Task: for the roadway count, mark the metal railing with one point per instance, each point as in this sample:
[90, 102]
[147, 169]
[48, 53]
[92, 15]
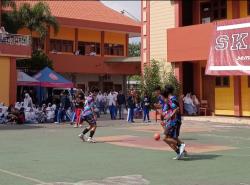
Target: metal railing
[15, 39]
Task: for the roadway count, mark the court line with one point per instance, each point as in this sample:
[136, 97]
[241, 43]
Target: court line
[23, 177]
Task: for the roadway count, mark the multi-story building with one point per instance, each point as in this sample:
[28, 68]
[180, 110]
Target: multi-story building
[12, 47]
[91, 48]
[188, 44]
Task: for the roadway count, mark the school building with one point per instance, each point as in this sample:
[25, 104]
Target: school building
[12, 47]
[182, 33]
[91, 48]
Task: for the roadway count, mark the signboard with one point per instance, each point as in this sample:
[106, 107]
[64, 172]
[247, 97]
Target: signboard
[230, 48]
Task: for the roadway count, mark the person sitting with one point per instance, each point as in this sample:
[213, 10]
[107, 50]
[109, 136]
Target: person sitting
[50, 113]
[196, 103]
[2, 116]
[189, 106]
[30, 115]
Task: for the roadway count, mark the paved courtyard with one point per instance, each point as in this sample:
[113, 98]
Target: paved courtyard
[125, 154]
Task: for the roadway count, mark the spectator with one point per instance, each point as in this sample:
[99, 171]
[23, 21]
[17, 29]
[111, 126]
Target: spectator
[121, 103]
[189, 106]
[112, 98]
[146, 107]
[131, 107]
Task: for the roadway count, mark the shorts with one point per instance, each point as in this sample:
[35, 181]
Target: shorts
[89, 119]
[171, 131]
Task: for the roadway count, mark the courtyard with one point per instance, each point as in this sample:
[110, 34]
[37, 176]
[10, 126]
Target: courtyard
[49, 154]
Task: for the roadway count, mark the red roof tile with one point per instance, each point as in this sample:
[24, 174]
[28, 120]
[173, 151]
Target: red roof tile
[86, 10]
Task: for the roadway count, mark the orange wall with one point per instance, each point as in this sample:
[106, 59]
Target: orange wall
[89, 35]
[25, 31]
[5, 79]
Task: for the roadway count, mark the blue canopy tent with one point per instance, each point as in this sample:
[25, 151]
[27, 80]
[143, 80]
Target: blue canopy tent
[49, 78]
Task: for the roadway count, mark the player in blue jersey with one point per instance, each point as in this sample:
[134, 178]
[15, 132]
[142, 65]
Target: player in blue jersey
[172, 122]
[88, 115]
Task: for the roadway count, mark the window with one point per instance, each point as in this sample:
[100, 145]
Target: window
[89, 48]
[61, 45]
[213, 10]
[37, 44]
[222, 81]
[114, 49]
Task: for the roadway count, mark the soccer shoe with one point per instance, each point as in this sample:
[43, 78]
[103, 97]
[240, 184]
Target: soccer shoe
[91, 140]
[82, 137]
[182, 148]
[179, 156]
[75, 126]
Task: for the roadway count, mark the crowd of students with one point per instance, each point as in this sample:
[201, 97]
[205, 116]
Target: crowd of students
[68, 107]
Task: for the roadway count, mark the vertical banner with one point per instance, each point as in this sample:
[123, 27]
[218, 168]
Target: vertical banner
[230, 48]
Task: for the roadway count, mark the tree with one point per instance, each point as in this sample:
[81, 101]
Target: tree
[153, 77]
[37, 62]
[37, 18]
[134, 49]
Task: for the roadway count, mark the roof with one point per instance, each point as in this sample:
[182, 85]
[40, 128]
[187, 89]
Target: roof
[26, 80]
[93, 11]
[49, 78]
[123, 60]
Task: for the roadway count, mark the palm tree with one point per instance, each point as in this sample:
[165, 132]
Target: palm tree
[37, 18]
[5, 3]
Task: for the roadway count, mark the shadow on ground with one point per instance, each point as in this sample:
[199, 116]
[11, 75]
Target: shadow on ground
[197, 157]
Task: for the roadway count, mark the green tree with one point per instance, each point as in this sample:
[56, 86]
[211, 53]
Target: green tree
[153, 77]
[37, 18]
[37, 62]
[134, 49]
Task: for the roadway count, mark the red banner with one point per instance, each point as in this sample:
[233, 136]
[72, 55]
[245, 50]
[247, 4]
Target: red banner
[230, 48]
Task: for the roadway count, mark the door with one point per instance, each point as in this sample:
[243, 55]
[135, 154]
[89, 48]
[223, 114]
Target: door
[208, 90]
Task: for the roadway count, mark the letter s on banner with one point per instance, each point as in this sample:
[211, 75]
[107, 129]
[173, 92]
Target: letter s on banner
[222, 42]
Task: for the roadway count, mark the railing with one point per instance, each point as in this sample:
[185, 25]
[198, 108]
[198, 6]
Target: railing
[15, 39]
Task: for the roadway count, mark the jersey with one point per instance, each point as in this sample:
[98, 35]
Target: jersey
[88, 106]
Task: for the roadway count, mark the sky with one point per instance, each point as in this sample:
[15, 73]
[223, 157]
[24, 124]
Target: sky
[133, 7]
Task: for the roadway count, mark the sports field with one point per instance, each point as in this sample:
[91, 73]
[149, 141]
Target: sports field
[219, 154]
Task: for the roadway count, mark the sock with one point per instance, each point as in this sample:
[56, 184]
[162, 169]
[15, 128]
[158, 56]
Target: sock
[177, 151]
[85, 131]
[91, 133]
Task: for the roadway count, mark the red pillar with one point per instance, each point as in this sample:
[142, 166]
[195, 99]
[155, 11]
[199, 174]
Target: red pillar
[237, 79]
[76, 39]
[127, 42]
[178, 71]
[13, 81]
[102, 43]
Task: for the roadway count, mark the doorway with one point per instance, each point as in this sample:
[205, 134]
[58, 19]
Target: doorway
[188, 81]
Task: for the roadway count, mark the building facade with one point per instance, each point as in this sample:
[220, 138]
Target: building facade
[188, 46]
[12, 47]
[91, 48]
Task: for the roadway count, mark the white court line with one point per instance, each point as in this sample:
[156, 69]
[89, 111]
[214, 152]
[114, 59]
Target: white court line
[23, 177]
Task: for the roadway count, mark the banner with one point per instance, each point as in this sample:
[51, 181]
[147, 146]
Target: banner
[230, 48]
